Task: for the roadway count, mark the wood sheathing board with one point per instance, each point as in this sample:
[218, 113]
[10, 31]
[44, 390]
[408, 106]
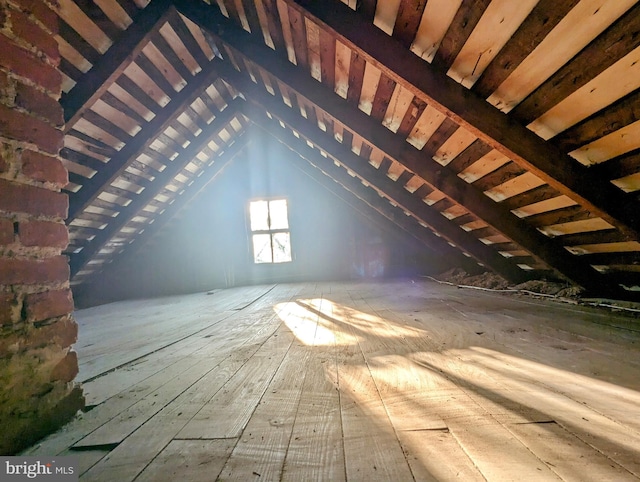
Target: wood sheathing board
[523, 138]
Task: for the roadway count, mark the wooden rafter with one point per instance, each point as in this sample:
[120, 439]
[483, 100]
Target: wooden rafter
[620, 166]
[618, 40]
[621, 113]
[465, 148]
[127, 213]
[408, 20]
[367, 203]
[111, 65]
[543, 18]
[375, 177]
[367, 8]
[111, 170]
[368, 197]
[465, 20]
[474, 114]
[528, 237]
[208, 176]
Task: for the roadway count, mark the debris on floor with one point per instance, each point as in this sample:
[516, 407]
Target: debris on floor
[561, 291]
[493, 281]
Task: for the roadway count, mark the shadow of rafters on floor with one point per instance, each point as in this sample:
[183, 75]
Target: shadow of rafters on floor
[357, 380]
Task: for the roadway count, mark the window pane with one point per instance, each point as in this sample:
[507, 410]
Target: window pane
[278, 213]
[259, 214]
[262, 248]
[281, 248]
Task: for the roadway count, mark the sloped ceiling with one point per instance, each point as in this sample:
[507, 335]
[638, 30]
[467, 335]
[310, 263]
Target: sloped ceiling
[505, 133]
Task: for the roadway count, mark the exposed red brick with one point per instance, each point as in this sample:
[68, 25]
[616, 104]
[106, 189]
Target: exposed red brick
[20, 198]
[24, 63]
[67, 369]
[6, 92]
[41, 11]
[23, 127]
[33, 271]
[43, 233]
[6, 309]
[7, 156]
[4, 160]
[6, 231]
[64, 332]
[39, 103]
[26, 29]
[40, 167]
[49, 304]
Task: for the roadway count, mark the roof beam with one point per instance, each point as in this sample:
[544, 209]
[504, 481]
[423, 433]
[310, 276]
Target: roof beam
[474, 114]
[620, 38]
[117, 164]
[365, 171]
[465, 20]
[408, 20]
[367, 8]
[316, 165]
[366, 202]
[78, 260]
[208, 176]
[546, 249]
[542, 19]
[111, 65]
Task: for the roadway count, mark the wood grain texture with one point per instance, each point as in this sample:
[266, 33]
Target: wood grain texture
[127, 213]
[408, 20]
[587, 49]
[133, 149]
[410, 379]
[398, 194]
[602, 52]
[423, 171]
[466, 18]
[406, 71]
[617, 115]
[542, 19]
[110, 66]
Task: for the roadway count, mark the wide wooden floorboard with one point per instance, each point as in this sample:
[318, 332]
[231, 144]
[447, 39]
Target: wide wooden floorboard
[403, 380]
[468, 421]
[372, 450]
[316, 446]
[125, 331]
[187, 460]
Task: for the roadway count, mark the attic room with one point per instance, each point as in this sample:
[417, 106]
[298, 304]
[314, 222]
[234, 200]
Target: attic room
[338, 240]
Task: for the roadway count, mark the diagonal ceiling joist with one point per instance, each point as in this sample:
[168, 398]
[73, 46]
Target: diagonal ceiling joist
[220, 122]
[474, 114]
[208, 177]
[142, 140]
[111, 65]
[366, 195]
[393, 145]
[367, 203]
[379, 180]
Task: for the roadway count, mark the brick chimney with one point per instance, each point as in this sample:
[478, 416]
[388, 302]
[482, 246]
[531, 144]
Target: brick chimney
[37, 363]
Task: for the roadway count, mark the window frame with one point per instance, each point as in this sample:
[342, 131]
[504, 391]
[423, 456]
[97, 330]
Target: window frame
[270, 232]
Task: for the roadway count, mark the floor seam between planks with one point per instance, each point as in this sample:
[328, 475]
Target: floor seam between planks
[389, 380]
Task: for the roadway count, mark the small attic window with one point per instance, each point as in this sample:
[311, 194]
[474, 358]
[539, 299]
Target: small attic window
[270, 235]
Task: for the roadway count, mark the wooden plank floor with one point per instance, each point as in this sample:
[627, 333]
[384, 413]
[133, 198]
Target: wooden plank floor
[397, 380]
